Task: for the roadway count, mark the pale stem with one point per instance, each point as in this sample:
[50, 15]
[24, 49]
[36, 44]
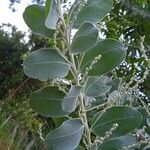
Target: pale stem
[75, 73]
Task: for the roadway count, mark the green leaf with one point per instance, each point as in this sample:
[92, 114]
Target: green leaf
[127, 119]
[85, 38]
[69, 102]
[118, 143]
[96, 86]
[48, 7]
[112, 54]
[66, 137]
[148, 120]
[79, 148]
[46, 63]
[53, 17]
[114, 84]
[34, 17]
[47, 102]
[94, 11]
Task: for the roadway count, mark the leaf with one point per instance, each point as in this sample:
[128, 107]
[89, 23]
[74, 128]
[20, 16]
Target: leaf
[147, 147]
[79, 148]
[112, 54]
[34, 17]
[96, 86]
[85, 38]
[148, 120]
[94, 11]
[66, 137]
[47, 102]
[46, 63]
[114, 84]
[48, 6]
[69, 102]
[53, 16]
[127, 119]
[118, 143]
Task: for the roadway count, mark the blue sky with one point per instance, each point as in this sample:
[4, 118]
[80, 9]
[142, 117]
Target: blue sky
[15, 18]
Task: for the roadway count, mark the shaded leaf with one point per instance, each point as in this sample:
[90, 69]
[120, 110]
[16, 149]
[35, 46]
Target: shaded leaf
[96, 86]
[69, 102]
[114, 84]
[48, 6]
[94, 11]
[118, 143]
[127, 119]
[46, 63]
[34, 17]
[85, 38]
[66, 137]
[148, 120]
[52, 17]
[112, 54]
[47, 102]
[79, 148]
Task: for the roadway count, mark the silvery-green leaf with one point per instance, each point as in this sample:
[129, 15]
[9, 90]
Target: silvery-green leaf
[46, 63]
[113, 95]
[148, 120]
[47, 102]
[66, 137]
[96, 86]
[53, 16]
[112, 53]
[118, 143]
[85, 38]
[34, 16]
[127, 119]
[69, 101]
[88, 100]
[94, 11]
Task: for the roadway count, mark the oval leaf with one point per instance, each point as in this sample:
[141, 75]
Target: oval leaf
[94, 11]
[52, 18]
[118, 143]
[112, 54]
[96, 86]
[85, 38]
[127, 119]
[46, 63]
[66, 137]
[34, 17]
[47, 102]
[69, 102]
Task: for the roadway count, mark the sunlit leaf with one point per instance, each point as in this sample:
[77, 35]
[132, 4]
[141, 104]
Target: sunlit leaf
[94, 11]
[34, 16]
[85, 38]
[46, 63]
[53, 16]
[70, 100]
[96, 86]
[112, 54]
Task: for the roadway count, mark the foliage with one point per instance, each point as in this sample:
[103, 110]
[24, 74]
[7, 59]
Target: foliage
[76, 69]
[19, 125]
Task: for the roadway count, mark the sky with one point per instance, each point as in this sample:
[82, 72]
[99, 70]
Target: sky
[14, 18]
